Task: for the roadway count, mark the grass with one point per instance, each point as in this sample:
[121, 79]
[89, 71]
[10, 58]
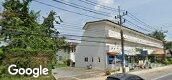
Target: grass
[60, 65]
[28, 78]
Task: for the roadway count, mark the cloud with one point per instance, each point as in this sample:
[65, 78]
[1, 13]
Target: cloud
[104, 2]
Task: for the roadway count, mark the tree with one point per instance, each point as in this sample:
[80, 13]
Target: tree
[20, 26]
[168, 45]
[160, 35]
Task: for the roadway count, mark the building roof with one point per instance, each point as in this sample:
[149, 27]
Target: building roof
[122, 26]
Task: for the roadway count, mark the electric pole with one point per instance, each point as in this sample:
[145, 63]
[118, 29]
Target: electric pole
[120, 22]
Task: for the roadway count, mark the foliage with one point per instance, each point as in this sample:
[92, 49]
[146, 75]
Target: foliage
[168, 60]
[168, 45]
[30, 43]
[1, 54]
[20, 26]
[158, 35]
[138, 49]
[33, 59]
[49, 77]
[68, 62]
[107, 72]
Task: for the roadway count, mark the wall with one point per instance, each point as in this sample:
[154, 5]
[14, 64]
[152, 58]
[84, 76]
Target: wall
[113, 31]
[64, 55]
[93, 50]
[111, 34]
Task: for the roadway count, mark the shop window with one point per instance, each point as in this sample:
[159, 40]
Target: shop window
[111, 59]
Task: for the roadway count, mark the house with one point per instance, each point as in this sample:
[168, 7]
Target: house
[102, 46]
[67, 53]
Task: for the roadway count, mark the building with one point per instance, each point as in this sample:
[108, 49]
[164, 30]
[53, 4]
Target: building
[67, 53]
[101, 45]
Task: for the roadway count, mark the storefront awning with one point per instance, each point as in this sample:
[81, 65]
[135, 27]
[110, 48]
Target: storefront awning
[112, 53]
[158, 51]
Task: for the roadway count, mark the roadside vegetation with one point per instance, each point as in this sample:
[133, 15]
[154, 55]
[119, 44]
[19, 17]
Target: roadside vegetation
[160, 35]
[30, 43]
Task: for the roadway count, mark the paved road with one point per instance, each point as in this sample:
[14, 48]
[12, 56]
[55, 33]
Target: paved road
[161, 73]
[165, 77]
[156, 74]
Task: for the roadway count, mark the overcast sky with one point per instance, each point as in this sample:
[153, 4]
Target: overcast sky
[156, 13]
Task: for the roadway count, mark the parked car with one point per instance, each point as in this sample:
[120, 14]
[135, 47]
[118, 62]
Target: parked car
[122, 76]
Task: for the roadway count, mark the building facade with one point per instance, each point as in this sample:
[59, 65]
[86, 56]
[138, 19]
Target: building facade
[103, 43]
[67, 53]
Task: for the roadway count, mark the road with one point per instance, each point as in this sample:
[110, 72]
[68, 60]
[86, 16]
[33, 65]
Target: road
[165, 77]
[162, 73]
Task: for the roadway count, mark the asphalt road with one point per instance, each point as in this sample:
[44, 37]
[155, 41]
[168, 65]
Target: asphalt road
[161, 73]
[165, 77]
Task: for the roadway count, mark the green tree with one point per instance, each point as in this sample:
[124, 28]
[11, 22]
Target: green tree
[21, 28]
[158, 34]
[168, 45]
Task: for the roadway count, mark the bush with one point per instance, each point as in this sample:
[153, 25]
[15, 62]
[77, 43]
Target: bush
[49, 77]
[1, 54]
[168, 61]
[68, 62]
[2, 71]
[107, 72]
[28, 59]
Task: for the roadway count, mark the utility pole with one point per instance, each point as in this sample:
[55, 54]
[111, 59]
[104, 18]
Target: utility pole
[121, 21]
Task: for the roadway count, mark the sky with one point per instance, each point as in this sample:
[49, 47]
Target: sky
[155, 13]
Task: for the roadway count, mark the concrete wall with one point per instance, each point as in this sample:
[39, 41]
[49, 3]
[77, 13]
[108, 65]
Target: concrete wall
[64, 55]
[92, 50]
[112, 43]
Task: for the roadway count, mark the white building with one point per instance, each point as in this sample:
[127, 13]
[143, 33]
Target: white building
[67, 52]
[102, 42]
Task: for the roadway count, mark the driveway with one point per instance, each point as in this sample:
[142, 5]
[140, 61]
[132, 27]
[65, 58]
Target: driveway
[70, 73]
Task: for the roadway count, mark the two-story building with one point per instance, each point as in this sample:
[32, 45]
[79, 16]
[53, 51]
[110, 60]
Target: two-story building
[104, 43]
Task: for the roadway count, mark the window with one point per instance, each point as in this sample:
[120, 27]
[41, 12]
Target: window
[86, 59]
[92, 59]
[73, 49]
[110, 59]
[98, 59]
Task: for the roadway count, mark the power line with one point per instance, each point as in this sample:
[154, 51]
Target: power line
[83, 36]
[137, 25]
[15, 32]
[140, 21]
[99, 5]
[85, 14]
[83, 8]
[86, 40]
[23, 33]
[113, 9]
[67, 10]
[76, 29]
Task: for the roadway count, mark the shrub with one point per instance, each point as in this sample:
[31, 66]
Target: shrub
[68, 62]
[29, 58]
[107, 72]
